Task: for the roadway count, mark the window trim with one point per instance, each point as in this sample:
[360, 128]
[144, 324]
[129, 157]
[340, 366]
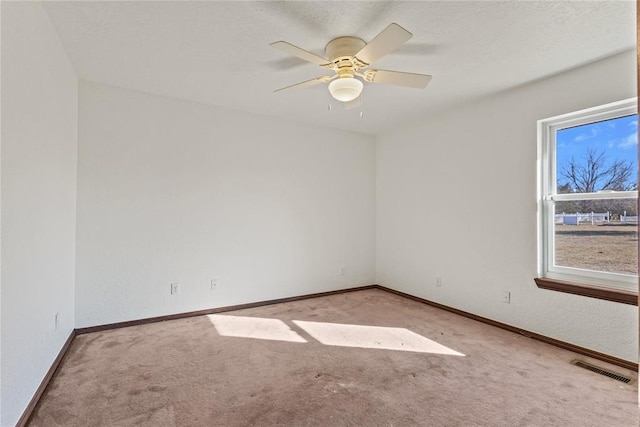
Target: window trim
[569, 279]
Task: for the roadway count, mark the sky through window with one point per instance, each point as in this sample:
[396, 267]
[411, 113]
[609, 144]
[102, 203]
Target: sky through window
[617, 138]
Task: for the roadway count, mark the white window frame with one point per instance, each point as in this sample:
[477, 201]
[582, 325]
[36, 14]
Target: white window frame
[547, 196]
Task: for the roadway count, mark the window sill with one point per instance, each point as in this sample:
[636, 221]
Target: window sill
[615, 295]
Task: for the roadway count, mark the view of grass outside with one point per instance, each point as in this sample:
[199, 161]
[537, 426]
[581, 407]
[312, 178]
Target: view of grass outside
[602, 234]
[612, 248]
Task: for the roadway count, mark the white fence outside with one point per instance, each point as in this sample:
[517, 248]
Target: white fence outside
[624, 218]
[579, 218]
[592, 218]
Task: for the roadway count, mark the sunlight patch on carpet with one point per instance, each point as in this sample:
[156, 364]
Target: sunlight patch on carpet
[380, 337]
[253, 327]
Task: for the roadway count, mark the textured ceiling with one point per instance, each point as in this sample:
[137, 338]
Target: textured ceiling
[217, 52]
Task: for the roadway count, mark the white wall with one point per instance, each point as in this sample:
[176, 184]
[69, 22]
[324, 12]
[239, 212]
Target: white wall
[39, 146]
[482, 158]
[175, 191]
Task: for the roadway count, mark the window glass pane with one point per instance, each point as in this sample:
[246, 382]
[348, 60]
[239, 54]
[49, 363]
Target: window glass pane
[600, 235]
[598, 156]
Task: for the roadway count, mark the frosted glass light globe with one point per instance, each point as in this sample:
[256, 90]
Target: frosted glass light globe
[345, 89]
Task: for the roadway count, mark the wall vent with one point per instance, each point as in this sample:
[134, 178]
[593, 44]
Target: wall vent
[601, 371]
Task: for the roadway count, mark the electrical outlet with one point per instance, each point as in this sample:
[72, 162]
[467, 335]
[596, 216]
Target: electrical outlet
[175, 288]
[438, 282]
[342, 271]
[55, 321]
[506, 297]
[214, 284]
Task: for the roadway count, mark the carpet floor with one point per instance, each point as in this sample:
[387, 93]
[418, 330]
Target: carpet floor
[366, 358]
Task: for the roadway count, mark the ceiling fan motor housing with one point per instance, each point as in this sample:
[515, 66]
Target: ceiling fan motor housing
[341, 52]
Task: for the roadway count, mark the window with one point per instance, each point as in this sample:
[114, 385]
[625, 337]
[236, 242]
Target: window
[588, 191]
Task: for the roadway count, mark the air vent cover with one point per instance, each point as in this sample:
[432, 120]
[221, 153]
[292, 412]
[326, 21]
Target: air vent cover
[601, 371]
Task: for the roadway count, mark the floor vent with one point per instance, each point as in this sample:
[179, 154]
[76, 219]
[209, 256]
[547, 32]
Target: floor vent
[601, 371]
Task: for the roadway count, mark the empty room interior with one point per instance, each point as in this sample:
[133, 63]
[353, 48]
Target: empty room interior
[402, 235]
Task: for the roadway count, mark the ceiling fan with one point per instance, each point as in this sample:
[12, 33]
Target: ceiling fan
[349, 58]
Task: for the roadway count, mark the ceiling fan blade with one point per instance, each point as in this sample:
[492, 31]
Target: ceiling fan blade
[353, 104]
[398, 78]
[386, 41]
[307, 83]
[299, 52]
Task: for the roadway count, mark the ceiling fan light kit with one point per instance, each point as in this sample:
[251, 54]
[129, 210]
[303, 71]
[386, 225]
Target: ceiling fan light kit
[345, 89]
[347, 56]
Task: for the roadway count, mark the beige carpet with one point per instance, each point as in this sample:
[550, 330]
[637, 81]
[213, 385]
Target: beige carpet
[367, 358]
